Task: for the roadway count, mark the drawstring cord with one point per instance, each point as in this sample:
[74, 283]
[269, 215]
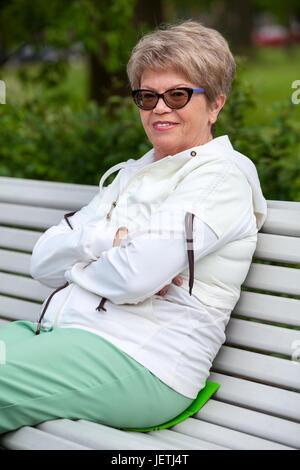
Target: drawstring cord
[189, 219]
[46, 306]
[67, 220]
[56, 290]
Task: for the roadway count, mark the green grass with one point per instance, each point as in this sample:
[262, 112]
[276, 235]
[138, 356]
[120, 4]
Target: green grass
[272, 72]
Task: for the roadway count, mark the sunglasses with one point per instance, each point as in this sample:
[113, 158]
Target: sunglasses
[174, 98]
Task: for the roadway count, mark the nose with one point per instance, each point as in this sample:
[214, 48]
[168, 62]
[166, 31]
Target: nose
[161, 107]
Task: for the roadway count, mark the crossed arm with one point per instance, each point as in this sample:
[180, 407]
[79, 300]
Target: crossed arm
[136, 267]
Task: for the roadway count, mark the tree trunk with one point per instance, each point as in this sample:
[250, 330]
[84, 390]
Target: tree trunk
[235, 22]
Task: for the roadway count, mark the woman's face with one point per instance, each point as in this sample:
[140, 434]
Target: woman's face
[189, 126]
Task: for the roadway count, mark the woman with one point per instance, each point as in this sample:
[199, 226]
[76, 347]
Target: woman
[117, 342]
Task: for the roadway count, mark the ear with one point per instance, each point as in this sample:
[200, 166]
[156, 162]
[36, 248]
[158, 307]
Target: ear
[216, 107]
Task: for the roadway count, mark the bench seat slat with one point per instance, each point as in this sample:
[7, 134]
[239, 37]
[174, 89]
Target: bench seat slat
[273, 278]
[282, 222]
[45, 193]
[18, 239]
[252, 422]
[23, 287]
[268, 307]
[277, 248]
[15, 262]
[29, 216]
[258, 367]
[16, 309]
[262, 337]
[256, 396]
[225, 436]
[98, 436]
[29, 438]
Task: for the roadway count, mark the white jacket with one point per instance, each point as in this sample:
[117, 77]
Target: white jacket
[212, 181]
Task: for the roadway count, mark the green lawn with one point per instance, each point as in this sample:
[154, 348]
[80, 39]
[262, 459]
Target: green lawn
[272, 73]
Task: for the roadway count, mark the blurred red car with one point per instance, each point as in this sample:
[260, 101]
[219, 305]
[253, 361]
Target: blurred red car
[271, 35]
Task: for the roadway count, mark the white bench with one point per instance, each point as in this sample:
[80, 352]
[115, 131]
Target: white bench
[258, 403]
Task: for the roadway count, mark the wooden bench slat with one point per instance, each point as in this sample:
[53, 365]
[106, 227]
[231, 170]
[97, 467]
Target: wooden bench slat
[225, 436]
[277, 248]
[16, 309]
[267, 338]
[15, 262]
[262, 425]
[23, 287]
[273, 278]
[268, 307]
[210, 439]
[29, 216]
[102, 437]
[258, 367]
[282, 222]
[256, 396]
[290, 205]
[29, 438]
[18, 239]
[45, 193]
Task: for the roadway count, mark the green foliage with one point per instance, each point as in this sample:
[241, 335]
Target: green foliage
[63, 144]
[43, 139]
[274, 147]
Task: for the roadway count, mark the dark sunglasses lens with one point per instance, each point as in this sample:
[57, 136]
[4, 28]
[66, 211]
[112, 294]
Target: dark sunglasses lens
[177, 98]
[145, 99]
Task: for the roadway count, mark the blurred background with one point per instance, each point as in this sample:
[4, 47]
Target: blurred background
[68, 114]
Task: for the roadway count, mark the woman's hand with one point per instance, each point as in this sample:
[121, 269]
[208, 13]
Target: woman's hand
[122, 232]
[176, 280]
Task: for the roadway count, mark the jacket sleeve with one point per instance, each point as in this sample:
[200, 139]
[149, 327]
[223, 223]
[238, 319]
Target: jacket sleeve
[64, 245]
[148, 259]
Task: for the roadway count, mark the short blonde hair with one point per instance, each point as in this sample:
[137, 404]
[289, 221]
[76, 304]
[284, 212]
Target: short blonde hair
[199, 53]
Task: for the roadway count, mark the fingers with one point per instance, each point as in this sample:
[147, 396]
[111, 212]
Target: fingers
[177, 280]
[164, 290]
[120, 233]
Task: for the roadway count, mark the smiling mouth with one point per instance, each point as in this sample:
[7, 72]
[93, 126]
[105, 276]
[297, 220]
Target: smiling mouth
[164, 125]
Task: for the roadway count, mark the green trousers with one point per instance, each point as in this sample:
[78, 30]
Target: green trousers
[75, 374]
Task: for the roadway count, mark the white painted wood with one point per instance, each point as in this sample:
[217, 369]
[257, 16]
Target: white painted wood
[257, 396]
[259, 367]
[17, 239]
[277, 248]
[268, 307]
[46, 193]
[29, 216]
[16, 309]
[97, 436]
[273, 278]
[225, 436]
[15, 262]
[266, 338]
[290, 205]
[168, 436]
[262, 425]
[282, 222]
[23, 287]
[29, 438]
